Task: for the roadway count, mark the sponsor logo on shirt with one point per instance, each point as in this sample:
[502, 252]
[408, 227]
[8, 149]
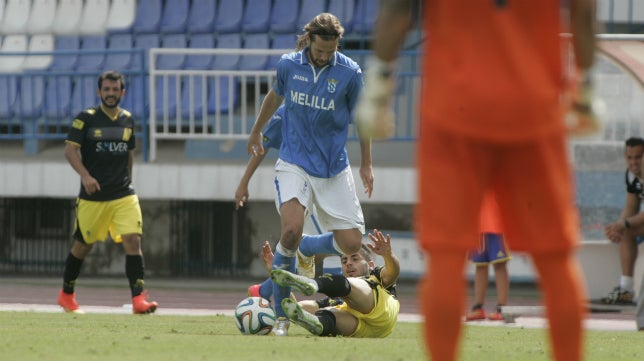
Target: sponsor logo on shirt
[300, 78]
[312, 101]
[112, 147]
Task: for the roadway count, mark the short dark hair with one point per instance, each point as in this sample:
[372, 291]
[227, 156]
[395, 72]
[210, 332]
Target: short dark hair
[634, 142]
[366, 253]
[111, 75]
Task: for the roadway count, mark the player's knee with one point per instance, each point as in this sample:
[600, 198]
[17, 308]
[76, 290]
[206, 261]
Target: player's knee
[350, 243]
[291, 236]
[81, 249]
[327, 319]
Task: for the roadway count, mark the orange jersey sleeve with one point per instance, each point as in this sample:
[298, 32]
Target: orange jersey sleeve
[508, 79]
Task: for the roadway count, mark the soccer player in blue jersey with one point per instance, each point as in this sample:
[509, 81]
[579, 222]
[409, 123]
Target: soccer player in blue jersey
[317, 241]
[319, 87]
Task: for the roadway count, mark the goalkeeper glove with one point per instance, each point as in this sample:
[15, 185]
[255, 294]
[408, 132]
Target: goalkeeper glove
[374, 116]
[582, 118]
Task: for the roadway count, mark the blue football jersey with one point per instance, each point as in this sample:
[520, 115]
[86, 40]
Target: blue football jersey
[272, 133]
[319, 103]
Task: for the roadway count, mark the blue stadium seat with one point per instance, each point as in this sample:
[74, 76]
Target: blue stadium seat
[365, 16]
[344, 10]
[229, 17]
[84, 93]
[32, 95]
[166, 89]
[148, 16]
[281, 41]
[168, 61]
[228, 62]
[201, 18]
[257, 16]
[147, 41]
[58, 98]
[119, 61]
[92, 61]
[66, 62]
[8, 97]
[134, 101]
[255, 62]
[175, 16]
[309, 9]
[202, 62]
[284, 16]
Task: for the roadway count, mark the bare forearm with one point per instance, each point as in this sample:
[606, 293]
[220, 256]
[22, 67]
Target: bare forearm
[392, 25]
[583, 25]
[74, 159]
[251, 167]
[391, 269]
[271, 102]
[365, 152]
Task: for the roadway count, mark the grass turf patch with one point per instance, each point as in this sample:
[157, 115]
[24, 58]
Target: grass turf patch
[28, 336]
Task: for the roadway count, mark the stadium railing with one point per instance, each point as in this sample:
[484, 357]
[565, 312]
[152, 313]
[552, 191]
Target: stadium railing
[221, 104]
[39, 104]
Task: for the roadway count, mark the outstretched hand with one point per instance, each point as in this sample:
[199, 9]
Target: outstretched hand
[267, 256]
[381, 243]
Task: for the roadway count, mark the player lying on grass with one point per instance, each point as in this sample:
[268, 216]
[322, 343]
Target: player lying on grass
[369, 307]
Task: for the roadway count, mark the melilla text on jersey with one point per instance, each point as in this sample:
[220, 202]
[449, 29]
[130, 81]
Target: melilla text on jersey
[312, 101]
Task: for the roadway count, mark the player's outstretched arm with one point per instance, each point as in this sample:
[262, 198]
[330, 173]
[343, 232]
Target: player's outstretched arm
[374, 116]
[366, 168]
[382, 247]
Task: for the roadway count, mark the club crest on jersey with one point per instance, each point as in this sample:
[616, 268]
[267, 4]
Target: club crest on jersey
[331, 85]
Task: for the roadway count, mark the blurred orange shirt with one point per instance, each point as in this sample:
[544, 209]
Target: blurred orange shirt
[461, 59]
[490, 219]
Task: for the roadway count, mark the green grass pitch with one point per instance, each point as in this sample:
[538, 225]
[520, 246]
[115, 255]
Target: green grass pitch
[28, 336]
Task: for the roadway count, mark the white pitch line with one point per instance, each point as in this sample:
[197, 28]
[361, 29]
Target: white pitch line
[521, 321]
[127, 309]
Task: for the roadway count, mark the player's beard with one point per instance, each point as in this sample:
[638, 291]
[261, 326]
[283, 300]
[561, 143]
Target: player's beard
[111, 106]
[316, 62]
[320, 63]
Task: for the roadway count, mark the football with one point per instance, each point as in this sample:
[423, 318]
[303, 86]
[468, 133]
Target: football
[254, 316]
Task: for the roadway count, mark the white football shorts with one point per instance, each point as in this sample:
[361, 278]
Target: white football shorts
[334, 199]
